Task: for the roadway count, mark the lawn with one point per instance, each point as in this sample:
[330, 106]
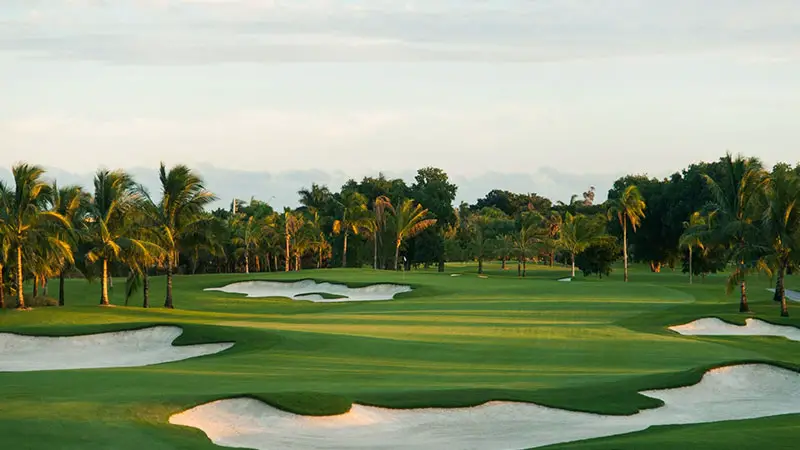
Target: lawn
[588, 345]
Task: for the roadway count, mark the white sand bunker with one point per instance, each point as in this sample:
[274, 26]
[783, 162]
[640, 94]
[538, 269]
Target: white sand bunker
[565, 279]
[730, 393]
[752, 327]
[311, 290]
[790, 295]
[135, 348]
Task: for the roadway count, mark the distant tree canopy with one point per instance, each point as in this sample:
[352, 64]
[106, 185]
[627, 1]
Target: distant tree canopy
[731, 214]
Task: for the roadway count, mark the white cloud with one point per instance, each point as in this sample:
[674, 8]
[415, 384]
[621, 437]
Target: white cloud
[207, 31]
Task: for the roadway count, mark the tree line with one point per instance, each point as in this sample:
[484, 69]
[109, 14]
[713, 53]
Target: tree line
[731, 214]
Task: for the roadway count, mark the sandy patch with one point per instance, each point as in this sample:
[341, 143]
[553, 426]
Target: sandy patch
[565, 279]
[117, 349]
[752, 327]
[730, 393]
[309, 290]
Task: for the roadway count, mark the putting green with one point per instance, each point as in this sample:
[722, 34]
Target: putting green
[588, 345]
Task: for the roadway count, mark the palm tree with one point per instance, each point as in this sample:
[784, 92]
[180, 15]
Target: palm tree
[504, 248]
[70, 202]
[354, 214]
[247, 235]
[292, 223]
[409, 220]
[577, 233]
[140, 258]
[375, 224]
[109, 221]
[24, 213]
[736, 203]
[628, 208]
[553, 223]
[781, 223]
[178, 214]
[315, 198]
[480, 240]
[696, 233]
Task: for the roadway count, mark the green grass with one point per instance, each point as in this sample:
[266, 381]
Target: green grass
[588, 345]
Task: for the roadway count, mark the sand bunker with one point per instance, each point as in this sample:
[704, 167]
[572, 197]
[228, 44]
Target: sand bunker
[565, 279]
[752, 327]
[310, 290]
[117, 349]
[730, 393]
[790, 295]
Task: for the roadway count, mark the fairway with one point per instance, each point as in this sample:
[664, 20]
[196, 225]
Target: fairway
[589, 345]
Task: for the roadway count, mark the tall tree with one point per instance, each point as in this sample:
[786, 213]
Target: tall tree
[23, 215]
[178, 214]
[578, 232]
[736, 202]
[781, 224]
[629, 208]
[696, 235]
[409, 220]
[109, 222]
[434, 191]
[354, 214]
[374, 225]
[71, 203]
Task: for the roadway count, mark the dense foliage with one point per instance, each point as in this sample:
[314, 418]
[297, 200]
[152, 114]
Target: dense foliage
[730, 215]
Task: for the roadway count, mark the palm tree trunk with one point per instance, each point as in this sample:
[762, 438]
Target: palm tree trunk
[145, 290]
[288, 253]
[168, 300]
[691, 274]
[44, 286]
[2, 287]
[375, 252]
[777, 296]
[625, 245]
[61, 294]
[246, 262]
[275, 260]
[782, 290]
[104, 284]
[344, 252]
[297, 262]
[503, 263]
[35, 286]
[553, 259]
[519, 267]
[573, 265]
[397, 254]
[480, 266]
[743, 307]
[524, 266]
[20, 293]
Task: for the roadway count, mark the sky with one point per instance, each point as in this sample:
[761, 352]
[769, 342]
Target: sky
[265, 97]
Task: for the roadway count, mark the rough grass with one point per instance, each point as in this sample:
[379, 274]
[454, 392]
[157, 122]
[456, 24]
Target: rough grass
[588, 345]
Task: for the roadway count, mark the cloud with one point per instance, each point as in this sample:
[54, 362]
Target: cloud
[213, 31]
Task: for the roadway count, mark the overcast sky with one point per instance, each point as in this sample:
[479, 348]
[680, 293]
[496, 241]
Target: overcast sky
[263, 97]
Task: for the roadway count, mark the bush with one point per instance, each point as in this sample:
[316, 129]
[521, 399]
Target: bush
[598, 257]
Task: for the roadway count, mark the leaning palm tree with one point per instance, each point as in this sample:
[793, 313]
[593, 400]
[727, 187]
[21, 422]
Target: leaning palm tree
[109, 225]
[553, 223]
[24, 214]
[178, 214]
[354, 215]
[409, 220]
[628, 208]
[737, 204]
[781, 224]
[578, 232]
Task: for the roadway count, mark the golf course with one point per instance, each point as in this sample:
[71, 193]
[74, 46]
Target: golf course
[588, 345]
